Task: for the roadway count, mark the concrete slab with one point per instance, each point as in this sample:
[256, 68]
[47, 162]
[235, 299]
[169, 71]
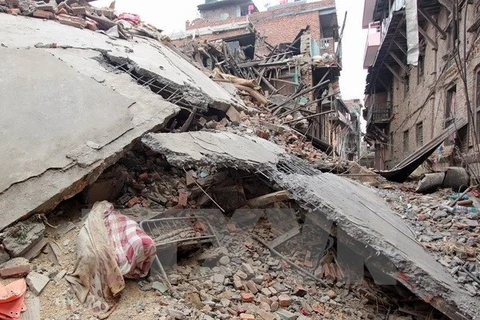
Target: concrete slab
[214, 148]
[147, 56]
[51, 102]
[363, 222]
[64, 124]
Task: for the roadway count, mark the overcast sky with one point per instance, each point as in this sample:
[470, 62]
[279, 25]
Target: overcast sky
[170, 16]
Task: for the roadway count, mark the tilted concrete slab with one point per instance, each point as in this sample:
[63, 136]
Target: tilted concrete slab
[362, 220]
[148, 57]
[61, 126]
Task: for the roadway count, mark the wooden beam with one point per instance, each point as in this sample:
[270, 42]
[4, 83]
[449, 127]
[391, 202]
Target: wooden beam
[427, 37]
[403, 33]
[394, 72]
[383, 84]
[399, 61]
[433, 22]
[400, 47]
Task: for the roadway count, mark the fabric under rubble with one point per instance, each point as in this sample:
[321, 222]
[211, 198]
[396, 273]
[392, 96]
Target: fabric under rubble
[110, 246]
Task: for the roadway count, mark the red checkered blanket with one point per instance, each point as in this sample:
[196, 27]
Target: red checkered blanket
[134, 249]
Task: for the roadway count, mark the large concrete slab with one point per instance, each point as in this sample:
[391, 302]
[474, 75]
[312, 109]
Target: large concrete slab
[147, 56]
[63, 123]
[46, 108]
[362, 220]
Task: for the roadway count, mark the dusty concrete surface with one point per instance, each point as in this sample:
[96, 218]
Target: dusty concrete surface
[148, 57]
[214, 148]
[359, 215]
[73, 112]
[67, 126]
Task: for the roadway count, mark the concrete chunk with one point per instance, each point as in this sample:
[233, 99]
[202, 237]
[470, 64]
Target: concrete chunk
[17, 267]
[37, 282]
[23, 236]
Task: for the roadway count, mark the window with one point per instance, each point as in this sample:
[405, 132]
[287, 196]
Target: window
[406, 86]
[421, 66]
[452, 35]
[477, 107]
[391, 144]
[450, 106]
[419, 134]
[406, 139]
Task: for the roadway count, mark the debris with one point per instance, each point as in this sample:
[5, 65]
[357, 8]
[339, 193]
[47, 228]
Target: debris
[21, 237]
[4, 256]
[16, 268]
[36, 249]
[456, 178]
[37, 282]
[96, 272]
[404, 168]
[430, 182]
[269, 199]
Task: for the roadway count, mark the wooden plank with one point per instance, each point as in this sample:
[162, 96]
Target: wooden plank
[269, 199]
[399, 61]
[394, 72]
[284, 237]
[433, 22]
[427, 37]
[400, 47]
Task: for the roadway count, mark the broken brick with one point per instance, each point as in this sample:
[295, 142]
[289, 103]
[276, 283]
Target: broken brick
[183, 198]
[79, 11]
[15, 268]
[133, 201]
[14, 11]
[247, 296]
[37, 282]
[284, 300]
[42, 14]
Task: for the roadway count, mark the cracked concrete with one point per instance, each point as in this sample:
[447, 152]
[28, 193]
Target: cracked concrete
[148, 56]
[362, 220]
[67, 115]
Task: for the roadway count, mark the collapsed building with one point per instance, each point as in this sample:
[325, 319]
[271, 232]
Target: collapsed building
[287, 48]
[422, 77]
[197, 163]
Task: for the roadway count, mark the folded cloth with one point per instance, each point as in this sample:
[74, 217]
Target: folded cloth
[134, 249]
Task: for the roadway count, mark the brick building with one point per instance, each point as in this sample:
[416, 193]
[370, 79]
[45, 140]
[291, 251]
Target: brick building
[296, 44]
[417, 52]
[279, 24]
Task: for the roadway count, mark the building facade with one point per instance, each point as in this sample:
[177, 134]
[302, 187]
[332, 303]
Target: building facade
[289, 47]
[423, 73]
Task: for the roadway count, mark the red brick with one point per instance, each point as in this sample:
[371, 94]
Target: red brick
[16, 267]
[133, 201]
[247, 296]
[14, 11]
[183, 198]
[42, 14]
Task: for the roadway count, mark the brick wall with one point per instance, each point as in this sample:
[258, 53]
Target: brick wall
[214, 15]
[413, 107]
[278, 26]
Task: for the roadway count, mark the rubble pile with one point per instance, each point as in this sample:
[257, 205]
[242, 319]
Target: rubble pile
[453, 236]
[82, 15]
[259, 186]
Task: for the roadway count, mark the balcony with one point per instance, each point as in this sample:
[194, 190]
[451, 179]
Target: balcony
[373, 44]
[379, 113]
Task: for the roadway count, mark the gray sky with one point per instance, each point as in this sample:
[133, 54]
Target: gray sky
[171, 16]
